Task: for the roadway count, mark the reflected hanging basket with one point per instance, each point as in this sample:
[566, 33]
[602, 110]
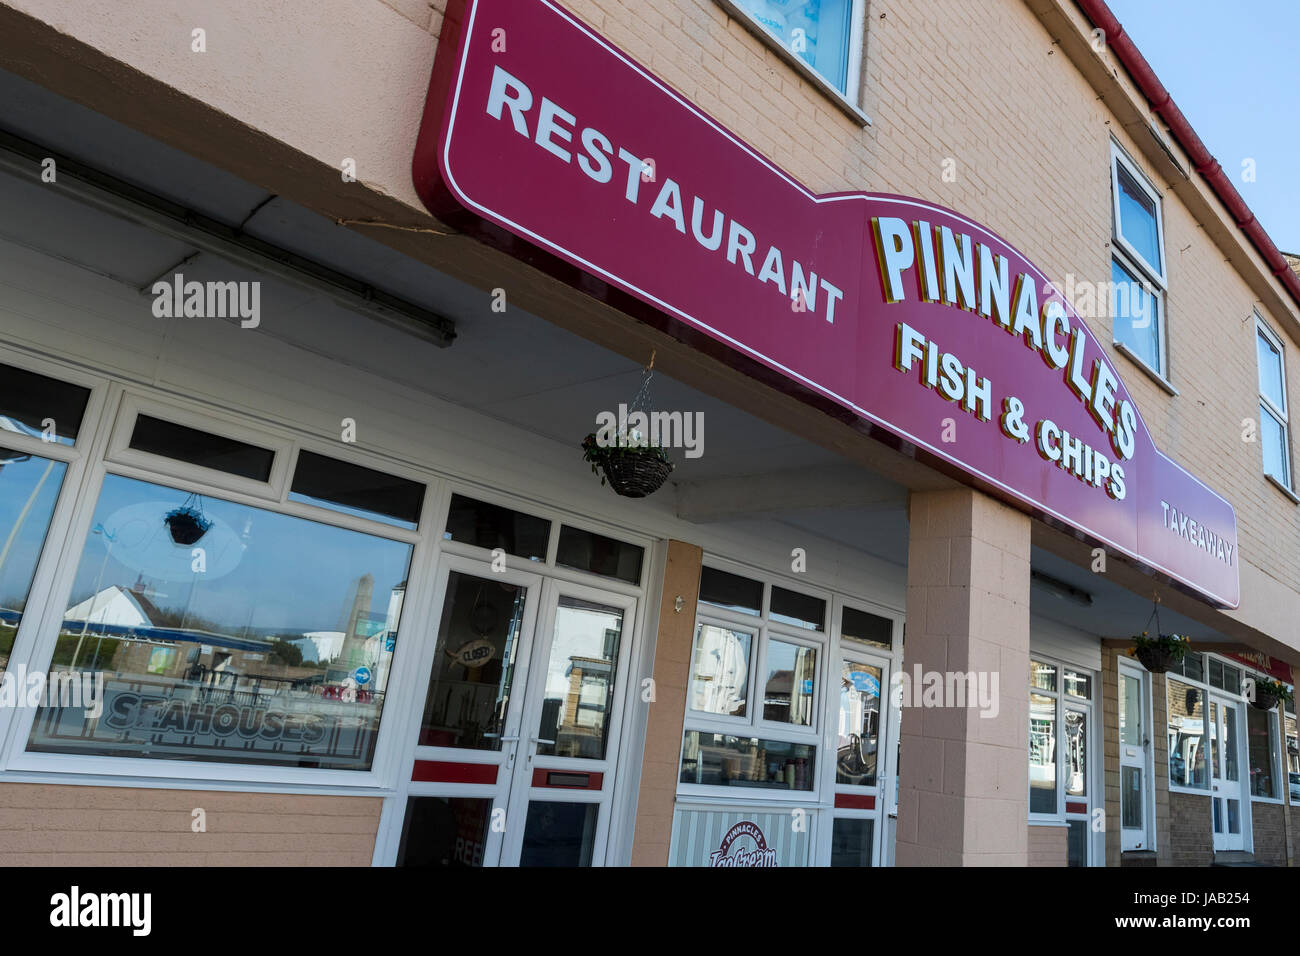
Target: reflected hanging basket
[187, 524]
[632, 471]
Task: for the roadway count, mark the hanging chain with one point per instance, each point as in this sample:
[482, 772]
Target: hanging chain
[641, 401]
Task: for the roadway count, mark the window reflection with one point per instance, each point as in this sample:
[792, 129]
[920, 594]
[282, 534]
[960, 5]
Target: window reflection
[29, 487]
[788, 691]
[1042, 754]
[859, 728]
[262, 638]
[580, 679]
[1186, 735]
[720, 670]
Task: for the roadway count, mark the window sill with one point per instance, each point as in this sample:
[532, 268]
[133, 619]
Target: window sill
[1284, 489]
[1190, 791]
[771, 40]
[1047, 823]
[1146, 369]
[1274, 800]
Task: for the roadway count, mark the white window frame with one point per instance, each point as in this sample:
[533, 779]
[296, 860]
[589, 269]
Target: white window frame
[1276, 732]
[1064, 701]
[1287, 481]
[847, 99]
[1151, 278]
[1118, 158]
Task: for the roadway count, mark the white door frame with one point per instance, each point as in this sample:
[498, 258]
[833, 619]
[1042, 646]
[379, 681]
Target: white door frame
[1139, 756]
[522, 790]
[1221, 789]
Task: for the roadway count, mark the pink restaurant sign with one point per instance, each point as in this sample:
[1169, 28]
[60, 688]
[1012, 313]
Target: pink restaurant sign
[918, 326]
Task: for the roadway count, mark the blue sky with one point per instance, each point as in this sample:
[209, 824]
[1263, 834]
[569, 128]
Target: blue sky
[1232, 70]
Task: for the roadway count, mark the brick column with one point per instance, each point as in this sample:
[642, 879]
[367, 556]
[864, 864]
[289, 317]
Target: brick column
[965, 777]
[663, 735]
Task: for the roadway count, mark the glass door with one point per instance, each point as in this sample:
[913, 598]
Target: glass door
[861, 787]
[1225, 773]
[1134, 741]
[563, 778]
[468, 737]
[518, 741]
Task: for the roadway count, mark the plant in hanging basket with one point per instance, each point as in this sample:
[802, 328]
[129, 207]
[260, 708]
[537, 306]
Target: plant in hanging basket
[1269, 692]
[1158, 654]
[632, 467]
[186, 525]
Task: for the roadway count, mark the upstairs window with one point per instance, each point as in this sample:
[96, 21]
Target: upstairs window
[823, 34]
[1137, 267]
[1274, 436]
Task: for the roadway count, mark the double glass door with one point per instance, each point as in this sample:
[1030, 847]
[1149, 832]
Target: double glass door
[519, 735]
[1225, 773]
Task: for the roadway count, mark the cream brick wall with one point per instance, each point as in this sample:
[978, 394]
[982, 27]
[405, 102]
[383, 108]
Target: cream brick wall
[57, 825]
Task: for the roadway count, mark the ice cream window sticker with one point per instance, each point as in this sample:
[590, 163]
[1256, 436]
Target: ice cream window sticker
[715, 837]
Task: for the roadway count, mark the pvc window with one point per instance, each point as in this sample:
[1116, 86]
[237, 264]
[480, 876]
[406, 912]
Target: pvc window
[823, 40]
[1274, 431]
[1137, 267]
[1061, 739]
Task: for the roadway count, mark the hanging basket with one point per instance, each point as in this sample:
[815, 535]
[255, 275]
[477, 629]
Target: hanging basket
[1264, 700]
[1156, 659]
[631, 472]
[186, 525]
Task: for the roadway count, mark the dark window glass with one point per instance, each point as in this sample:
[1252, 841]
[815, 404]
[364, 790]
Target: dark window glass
[258, 638]
[731, 591]
[610, 557]
[444, 831]
[1077, 842]
[559, 834]
[35, 405]
[201, 448]
[724, 760]
[870, 629]
[851, 841]
[491, 526]
[791, 607]
[29, 487]
[1259, 738]
[352, 489]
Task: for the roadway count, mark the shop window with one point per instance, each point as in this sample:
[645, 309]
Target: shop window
[41, 407]
[1137, 266]
[444, 832]
[255, 637]
[868, 630]
[720, 670]
[1042, 754]
[1274, 433]
[1224, 676]
[597, 554]
[1291, 757]
[1192, 666]
[29, 488]
[1187, 735]
[1060, 748]
[733, 761]
[801, 610]
[355, 490]
[1077, 843]
[731, 591]
[491, 526]
[791, 677]
[819, 32]
[170, 440]
[851, 840]
[1261, 739]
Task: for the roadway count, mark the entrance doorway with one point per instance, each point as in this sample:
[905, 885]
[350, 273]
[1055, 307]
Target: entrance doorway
[518, 740]
[1134, 758]
[1226, 722]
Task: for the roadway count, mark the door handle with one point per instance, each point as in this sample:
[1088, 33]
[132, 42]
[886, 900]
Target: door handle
[504, 740]
[541, 740]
